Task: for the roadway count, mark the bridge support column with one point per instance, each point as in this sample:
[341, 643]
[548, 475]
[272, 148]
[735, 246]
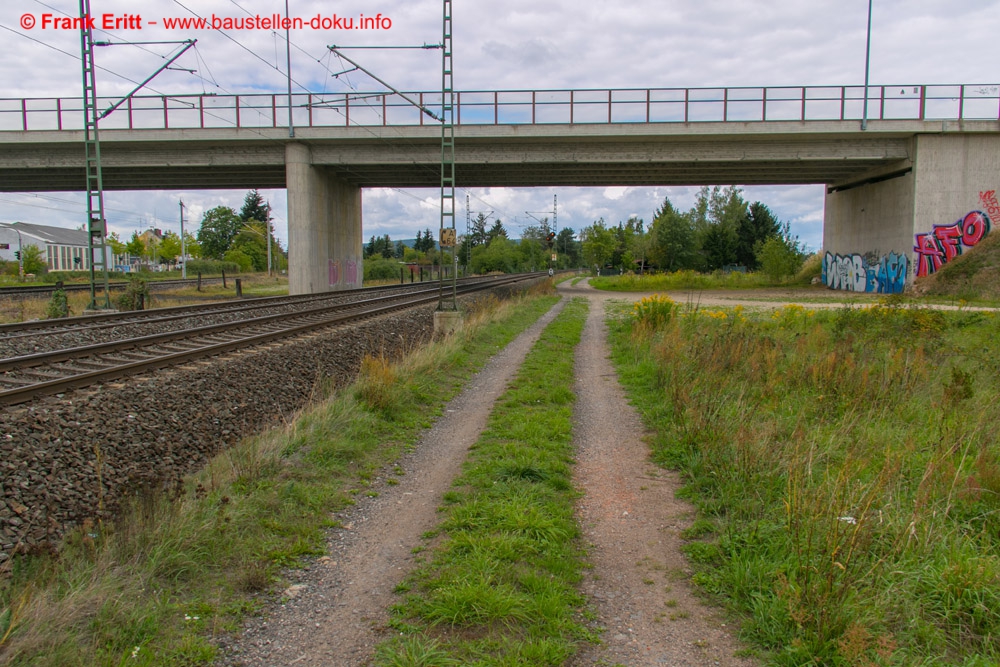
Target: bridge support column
[324, 227]
[881, 233]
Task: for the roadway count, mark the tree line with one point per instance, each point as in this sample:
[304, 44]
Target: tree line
[721, 231]
[224, 235]
[486, 248]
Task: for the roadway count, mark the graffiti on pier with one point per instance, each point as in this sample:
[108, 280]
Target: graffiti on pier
[885, 274]
[946, 242]
[348, 273]
[990, 204]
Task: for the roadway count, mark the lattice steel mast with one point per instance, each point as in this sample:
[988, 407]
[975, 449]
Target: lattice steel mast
[96, 225]
[447, 155]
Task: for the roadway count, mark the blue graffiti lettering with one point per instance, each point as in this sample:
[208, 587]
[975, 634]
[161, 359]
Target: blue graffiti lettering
[854, 273]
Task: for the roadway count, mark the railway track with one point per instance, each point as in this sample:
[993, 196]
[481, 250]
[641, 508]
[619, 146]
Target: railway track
[25, 377]
[160, 316]
[31, 290]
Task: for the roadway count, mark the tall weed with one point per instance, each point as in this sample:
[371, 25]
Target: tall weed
[851, 461]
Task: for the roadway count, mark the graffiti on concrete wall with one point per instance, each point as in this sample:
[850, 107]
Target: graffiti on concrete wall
[990, 204]
[348, 273]
[883, 274]
[946, 242]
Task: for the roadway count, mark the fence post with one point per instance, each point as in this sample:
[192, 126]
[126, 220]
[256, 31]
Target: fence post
[224, 279]
[239, 287]
[199, 281]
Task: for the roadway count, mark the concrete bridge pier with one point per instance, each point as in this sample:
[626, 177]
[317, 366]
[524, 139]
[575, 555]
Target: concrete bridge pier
[324, 227]
[911, 217]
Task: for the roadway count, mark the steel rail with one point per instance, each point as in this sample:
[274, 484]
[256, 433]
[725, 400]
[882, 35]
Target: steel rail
[84, 322]
[66, 354]
[78, 380]
[27, 290]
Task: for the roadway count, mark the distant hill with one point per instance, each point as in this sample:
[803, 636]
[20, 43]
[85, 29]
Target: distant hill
[975, 274]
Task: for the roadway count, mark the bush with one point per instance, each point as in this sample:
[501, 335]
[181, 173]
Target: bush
[239, 258]
[136, 295]
[778, 259]
[381, 269]
[58, 305]
[210, 266]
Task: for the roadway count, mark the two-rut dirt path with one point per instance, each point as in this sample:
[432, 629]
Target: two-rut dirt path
[335, 612]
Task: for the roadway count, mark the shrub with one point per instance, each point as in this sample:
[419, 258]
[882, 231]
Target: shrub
[778, 259]
[210, 266]
[239, 258]
[654, 310]
[136, 295]
[377, 268]
[58, 305]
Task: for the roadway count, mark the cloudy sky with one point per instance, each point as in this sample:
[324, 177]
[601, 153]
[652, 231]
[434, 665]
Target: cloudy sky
[513, 44]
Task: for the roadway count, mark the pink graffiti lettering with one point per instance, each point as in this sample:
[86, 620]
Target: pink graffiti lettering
[946, 242]
[990, 203]
[930, 258]
[949, 240]
[974, 227]
[352, 272]
[334, 272]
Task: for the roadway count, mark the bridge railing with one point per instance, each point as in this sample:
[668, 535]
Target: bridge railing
[519, 107]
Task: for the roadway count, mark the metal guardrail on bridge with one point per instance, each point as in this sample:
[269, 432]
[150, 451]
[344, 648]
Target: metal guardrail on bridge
[518, 107]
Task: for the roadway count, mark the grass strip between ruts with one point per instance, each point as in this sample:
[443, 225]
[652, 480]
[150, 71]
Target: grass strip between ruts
[499, 586]
[160, 585]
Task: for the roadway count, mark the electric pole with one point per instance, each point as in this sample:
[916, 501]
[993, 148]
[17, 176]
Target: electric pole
[96, 225]
[184, 264]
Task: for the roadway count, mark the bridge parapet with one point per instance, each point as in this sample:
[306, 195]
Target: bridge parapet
[519, 107]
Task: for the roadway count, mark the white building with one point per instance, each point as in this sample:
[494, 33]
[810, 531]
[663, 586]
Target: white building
[64, 249]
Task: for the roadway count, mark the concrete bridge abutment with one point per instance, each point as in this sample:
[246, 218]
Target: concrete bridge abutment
[911, 218]
[324, 226]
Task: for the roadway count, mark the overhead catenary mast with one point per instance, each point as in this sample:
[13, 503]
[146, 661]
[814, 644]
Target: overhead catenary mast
[96, 226]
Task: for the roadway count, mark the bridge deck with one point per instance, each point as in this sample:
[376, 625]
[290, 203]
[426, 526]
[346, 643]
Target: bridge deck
[505, 138]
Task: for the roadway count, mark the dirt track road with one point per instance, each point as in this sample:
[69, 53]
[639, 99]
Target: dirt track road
[334, 613]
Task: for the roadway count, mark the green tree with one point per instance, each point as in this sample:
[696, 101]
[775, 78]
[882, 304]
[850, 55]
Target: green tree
[170, 248]
[425, 241]
[191, 245]
[478, 232]
[779, 256]
[568, 248]
[719, 235]
[33, 259]
[757, 226]
[237, 256]
[219, 226]
[718, 246]
[497, 231]
[252, 245]
[598, 244]
[255, 208]
[640, 246]
[117, 247]
[674, 244]
[499, 255]
[136, 247]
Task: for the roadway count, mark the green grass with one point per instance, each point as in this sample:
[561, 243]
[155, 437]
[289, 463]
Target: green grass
[684, 280]
[846, 469]
[500, 587]
[158, 586]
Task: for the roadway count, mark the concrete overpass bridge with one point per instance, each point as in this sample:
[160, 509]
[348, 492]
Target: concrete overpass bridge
[930, 156]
